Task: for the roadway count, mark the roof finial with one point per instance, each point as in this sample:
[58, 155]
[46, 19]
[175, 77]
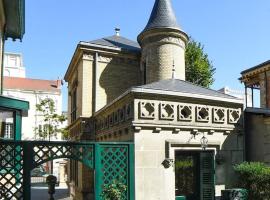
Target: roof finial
[117, 31]
[173, 71]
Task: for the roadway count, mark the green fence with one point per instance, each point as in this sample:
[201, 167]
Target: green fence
[111, 161]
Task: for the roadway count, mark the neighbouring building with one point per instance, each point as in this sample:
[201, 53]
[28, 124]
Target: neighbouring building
[11, 110]
[245, 96]
[187, 138]
[17, 85]
[257, 119]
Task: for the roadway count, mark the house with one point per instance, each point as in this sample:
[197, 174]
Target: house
[17, 85]
[187, 138]
[11, 109]
[257, 118]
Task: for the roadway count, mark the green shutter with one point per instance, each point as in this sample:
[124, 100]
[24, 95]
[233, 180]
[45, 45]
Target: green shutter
[207, 173]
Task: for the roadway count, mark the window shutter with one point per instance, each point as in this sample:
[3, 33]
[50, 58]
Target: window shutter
[207, 173]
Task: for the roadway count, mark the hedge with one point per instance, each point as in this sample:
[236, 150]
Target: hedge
[255, 177]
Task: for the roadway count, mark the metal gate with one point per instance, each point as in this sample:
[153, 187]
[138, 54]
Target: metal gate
[110, 161]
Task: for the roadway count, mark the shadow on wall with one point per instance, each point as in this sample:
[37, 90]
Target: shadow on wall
[118, 76]
[230, 155]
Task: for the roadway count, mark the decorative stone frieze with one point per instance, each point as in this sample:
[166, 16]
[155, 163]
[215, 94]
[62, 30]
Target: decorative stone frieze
[184, 113]
[202, 114]
[118, 60]
[147, 110]
[187, 114]
[128, 111]
[166, 111]
[219, 115]
[234, 115]
[121, 113]
[114, 118]
[88, 56]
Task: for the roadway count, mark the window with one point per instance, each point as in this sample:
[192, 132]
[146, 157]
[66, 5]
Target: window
[6, 125]
[73, 112]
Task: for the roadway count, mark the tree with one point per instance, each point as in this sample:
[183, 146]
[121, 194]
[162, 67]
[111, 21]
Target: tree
[51, 120]
[199, 69]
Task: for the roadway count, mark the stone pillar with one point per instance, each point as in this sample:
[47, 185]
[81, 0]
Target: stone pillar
[265, 89]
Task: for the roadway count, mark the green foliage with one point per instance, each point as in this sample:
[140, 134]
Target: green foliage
[255, 177]
[199, 69]
[51, 120]
[113, 191]
[183, 164]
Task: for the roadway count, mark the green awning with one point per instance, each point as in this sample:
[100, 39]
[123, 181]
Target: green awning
[15, 104]
[15, 18]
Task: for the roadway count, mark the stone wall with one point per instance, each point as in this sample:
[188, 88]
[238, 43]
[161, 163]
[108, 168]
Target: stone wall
[161, 127]
[160, 51]
[257, 127]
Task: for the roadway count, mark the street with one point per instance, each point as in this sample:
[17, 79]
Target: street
[41, 193]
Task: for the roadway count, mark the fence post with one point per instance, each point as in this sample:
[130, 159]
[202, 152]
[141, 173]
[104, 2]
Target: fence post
[27, 166]
[131, 166]
[98, 172]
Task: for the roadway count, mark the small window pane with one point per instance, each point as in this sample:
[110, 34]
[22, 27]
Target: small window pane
[6, 125]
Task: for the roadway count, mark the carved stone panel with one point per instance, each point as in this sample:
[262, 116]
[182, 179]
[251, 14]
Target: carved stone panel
[234, 115]
[219, 115]
[202, 114]
[166, 111]
[185, 113]
[147, 110]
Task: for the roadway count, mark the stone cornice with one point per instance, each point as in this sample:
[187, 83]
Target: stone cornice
[86, 51]
[252, 73]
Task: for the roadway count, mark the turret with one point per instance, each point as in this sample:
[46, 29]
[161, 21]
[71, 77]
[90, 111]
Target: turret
[163, 44]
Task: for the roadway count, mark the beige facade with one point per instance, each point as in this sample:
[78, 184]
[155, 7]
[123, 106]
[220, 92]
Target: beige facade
[162, 132]
[108, 102]
[100, 75]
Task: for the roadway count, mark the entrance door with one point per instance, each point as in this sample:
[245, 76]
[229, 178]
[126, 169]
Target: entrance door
[194, 175]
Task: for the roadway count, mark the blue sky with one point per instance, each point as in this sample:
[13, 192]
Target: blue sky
[235, 33]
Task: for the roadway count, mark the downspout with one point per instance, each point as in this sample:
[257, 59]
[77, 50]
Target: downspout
[94, 83]
[266, 90]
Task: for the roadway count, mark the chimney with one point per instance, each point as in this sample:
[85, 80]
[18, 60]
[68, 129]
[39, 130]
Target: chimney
[117, 31]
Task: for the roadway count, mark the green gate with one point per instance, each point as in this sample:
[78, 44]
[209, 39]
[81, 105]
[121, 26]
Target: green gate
[111, 161]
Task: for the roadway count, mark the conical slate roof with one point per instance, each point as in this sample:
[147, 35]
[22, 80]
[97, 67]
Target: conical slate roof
[162, 16]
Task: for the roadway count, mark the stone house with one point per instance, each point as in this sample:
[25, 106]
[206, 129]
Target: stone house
[12, 17]
[257, 119]
[17, 85]
[187, 138]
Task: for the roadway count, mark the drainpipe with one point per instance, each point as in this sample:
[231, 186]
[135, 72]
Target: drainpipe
[266, 89]
[94, 82]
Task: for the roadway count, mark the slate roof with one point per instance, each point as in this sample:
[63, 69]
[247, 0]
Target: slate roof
[162, 16]
[176, 85]
[118, 42]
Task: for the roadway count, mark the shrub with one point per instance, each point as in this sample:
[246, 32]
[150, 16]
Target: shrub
[255, 177]
[113, 191]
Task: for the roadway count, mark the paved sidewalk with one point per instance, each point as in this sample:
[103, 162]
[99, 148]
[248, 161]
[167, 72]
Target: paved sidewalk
[41, 193]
